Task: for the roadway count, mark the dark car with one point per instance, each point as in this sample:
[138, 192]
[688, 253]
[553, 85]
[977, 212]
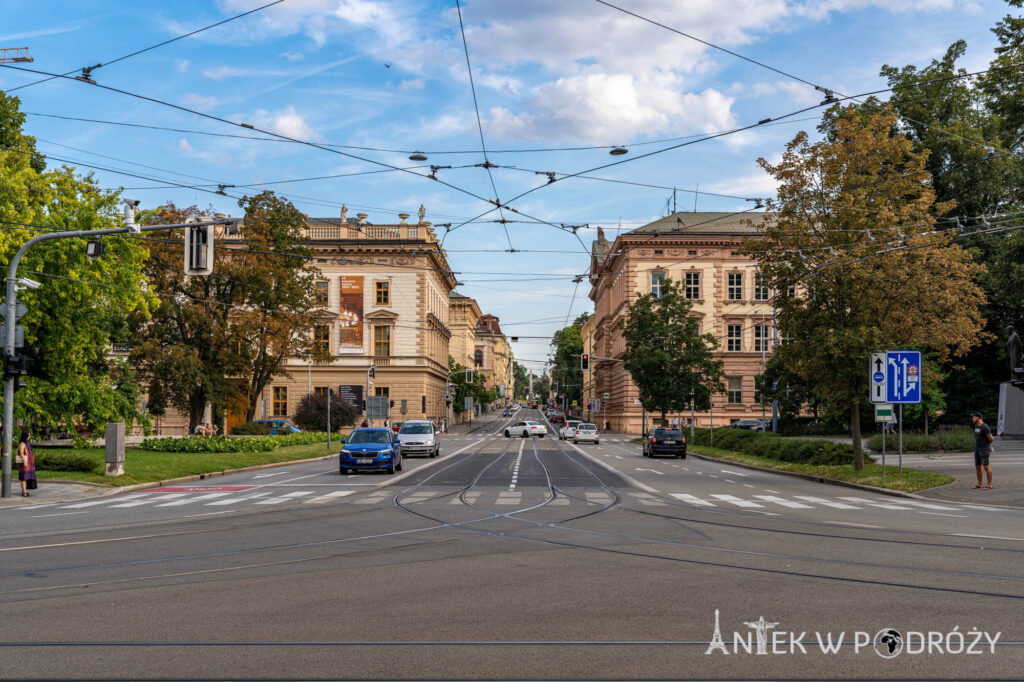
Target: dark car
[669, 442]
[370, 448]
[749, 424]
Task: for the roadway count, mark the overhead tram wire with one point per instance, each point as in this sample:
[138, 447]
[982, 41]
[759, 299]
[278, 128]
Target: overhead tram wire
[85, 70]
[480, 125]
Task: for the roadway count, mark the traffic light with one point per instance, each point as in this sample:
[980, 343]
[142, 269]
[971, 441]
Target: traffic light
[362, 406]
[391, 403]
[199, 249]
[469, 376]
[585, 362]
[370, 372]
[17, 365]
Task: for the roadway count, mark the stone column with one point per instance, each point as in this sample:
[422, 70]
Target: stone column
[115, 449]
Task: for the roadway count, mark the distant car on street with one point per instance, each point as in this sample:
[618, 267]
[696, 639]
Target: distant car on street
[586, 432]
[525, 429]
[370, 448]
[278, 427]
[419, 437]
[660, 441]
[507, 412]
[557, 418]
[749, 424]
[569, 430]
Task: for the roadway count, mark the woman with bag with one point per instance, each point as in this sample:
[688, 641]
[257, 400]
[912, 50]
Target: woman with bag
[26, 460]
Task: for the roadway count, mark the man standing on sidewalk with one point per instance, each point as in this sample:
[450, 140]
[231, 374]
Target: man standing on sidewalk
[982, 449]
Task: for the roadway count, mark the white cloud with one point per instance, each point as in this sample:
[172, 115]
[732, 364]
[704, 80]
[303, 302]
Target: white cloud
[411, 84]
[501, 83]
[201, 102]
[757, 184]
[293, 56]
[318, 20]
[285, 122]
[181, 65]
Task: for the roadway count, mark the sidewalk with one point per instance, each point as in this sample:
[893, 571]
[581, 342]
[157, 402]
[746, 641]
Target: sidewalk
[52, 492]
[1007, 463]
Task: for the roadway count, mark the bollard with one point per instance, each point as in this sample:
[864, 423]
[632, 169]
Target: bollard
[114, 438]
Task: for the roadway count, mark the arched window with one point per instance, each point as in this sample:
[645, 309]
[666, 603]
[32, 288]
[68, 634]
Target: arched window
[478, 358]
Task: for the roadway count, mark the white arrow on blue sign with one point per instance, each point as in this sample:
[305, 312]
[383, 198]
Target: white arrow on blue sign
[903, 376]
[876, 370]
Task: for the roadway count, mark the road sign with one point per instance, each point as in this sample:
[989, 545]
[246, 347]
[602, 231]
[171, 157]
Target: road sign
[19, 335]
[607, 395]
[467, 403]
[903, 376]
[876, 370]
[883, 413]
[377, 407]
[405, 407]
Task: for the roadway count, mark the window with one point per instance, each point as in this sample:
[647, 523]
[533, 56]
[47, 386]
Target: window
[760, 290]
[320, 390]
[656, 279]
[383, 290]
[280, 401]
[734, 338]
[735, 286]
[658, 252]
[760, 337]
[382, 341]
[322, 339]
[735, 391]
[478, 358]
[320, 294]
[691, 252]
[791, 291]
[692, 290]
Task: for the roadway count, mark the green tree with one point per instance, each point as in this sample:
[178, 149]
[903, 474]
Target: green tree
[522, 380]
[667, 356]
[82, 308]
[222, 338]
[311, 413]
[779, 383]
[476, 389]
[567, 346]
[837, 201]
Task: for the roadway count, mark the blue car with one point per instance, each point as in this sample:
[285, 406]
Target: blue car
[279, 427]
[368, 449]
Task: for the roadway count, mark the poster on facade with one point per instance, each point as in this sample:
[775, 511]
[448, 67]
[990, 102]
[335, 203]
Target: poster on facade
[350, 334]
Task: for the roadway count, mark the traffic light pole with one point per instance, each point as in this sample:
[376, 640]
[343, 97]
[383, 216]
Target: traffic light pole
[11, 319]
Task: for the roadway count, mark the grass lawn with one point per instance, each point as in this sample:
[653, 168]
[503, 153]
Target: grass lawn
[912, 480]
[144, 466]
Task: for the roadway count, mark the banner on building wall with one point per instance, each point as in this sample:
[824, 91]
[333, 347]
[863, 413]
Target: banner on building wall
[350, 335]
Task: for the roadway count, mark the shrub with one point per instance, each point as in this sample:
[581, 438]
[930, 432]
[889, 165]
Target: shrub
[214, 444]
[311, 414]
[65, 461]
[772, 446]
[250, 429]
[957, 440]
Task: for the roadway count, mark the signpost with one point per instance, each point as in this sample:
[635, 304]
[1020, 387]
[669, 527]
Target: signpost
[899, 380]
[883, 414]
[377, 407]
[876, 371]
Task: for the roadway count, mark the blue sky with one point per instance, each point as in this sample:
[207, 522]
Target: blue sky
[392, 76]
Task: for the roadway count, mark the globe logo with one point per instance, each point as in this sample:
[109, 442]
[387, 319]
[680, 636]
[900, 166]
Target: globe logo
[888, 643]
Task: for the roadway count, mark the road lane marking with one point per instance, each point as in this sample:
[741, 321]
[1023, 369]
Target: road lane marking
[827, 503]
[692, 500]
[148, 499]
[880, 505]
[269, 475]
[927, 505]
[287, 497]
[93, 503]
[961, 516]
[236, 500]
[855, 525]
[738, 502]
[734, 473]
[197, 498]
[987, 537]
[784, 502]
[43, 516]
[653, 471]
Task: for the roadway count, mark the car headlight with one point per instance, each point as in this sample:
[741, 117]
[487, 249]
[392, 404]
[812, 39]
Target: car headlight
[347, 453]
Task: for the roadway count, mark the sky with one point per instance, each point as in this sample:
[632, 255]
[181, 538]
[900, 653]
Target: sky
[558, 83]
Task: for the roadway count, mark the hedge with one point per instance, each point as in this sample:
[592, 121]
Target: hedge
[207, 444]
[64, 461]
[250, 429]
[957, 440]
[772, 446]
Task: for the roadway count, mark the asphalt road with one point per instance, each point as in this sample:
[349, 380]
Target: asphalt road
[508, 559]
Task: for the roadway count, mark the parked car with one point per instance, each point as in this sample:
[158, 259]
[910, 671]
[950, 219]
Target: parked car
[557, 418]
[419, 437]
[567, 431]
[586, 432]
[526, 428]
[396, 426]
[278, 427]
[370, 448]
[750, 424]
[669, 442]
[507, 412]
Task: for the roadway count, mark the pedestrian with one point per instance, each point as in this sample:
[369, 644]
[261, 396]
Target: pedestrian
[26, 461]
[982, 449]
[364, 424]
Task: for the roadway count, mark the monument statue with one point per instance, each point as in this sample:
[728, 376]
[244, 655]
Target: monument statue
[344, 213]
[1013, 351]
[423, 213]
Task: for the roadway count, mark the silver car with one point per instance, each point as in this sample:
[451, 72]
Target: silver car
[419, 437]
[569, 430]
[586, 433]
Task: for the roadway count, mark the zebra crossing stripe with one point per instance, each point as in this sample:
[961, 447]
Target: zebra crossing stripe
[147, 499]
[236, 500]
[329, 496]
[738, 502]
[784, 502]
[827, 503]
[287, 497]
[880, 505]
[190, 500]
[692, 500]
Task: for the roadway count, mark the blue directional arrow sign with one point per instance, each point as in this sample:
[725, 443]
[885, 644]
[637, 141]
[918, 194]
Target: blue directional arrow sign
[903, 376]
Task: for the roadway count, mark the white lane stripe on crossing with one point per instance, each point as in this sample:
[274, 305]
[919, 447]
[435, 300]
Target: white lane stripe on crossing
[93, 503]
[330, 496]
[190, 500]
[692, 500]
[880, 505]
[928, 505]
[738, 502]
[148, 499]
[287, 497]
[784, 502]
[827, 503]
[237, 499]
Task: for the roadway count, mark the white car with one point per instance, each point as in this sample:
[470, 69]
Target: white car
[586, 433]
[525, 429]
[569, 430]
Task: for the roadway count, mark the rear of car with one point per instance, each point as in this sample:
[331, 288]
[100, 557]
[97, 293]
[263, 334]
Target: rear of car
[418, 437]
[665, 442]
[557, 418]
[569, 430]
[369, 449]
[586, 433]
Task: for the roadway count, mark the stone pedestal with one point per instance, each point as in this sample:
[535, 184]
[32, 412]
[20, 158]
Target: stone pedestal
[115, 449]
[1010, 423]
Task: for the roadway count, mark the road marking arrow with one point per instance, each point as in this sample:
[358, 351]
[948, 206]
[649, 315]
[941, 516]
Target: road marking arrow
[907, 388]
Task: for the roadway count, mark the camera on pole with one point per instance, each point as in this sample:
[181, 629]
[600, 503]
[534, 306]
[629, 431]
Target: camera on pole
[199, 248]
[131, 209]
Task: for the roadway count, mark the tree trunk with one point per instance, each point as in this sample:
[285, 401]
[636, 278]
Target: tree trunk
[197, 404]
[858, 449]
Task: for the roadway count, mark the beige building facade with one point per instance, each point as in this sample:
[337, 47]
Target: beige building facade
[492, 355]
[700, 252]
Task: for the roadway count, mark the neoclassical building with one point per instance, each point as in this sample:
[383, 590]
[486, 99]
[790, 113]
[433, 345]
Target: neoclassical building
[700, 251]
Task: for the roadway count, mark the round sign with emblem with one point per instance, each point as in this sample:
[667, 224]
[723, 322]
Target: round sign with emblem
[878, 377]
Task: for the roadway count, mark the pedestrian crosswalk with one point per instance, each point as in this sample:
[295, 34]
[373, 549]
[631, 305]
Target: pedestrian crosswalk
[809, 502]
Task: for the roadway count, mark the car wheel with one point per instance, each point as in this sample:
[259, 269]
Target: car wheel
[680, 456]
[343, 471]
[542, 435]
[398, 467]
[523, 434]
[508, 434]
[597, 442]
[391, 467]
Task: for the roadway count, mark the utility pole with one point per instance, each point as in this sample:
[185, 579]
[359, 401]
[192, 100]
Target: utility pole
[14, 284]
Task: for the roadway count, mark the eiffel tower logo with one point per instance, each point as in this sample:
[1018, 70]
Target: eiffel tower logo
[716, 639]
